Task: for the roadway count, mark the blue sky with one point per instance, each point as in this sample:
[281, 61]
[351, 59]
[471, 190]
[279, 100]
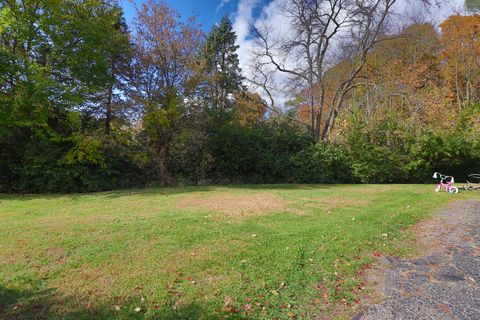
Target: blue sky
[242, 13]
[208, 11]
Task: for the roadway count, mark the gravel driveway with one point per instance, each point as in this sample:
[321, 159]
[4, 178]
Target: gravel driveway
[442, 284]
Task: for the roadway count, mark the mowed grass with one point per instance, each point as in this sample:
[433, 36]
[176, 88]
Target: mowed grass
[239, 252]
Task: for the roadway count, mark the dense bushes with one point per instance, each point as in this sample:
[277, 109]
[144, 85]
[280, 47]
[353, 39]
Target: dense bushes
[234, 154]
[322, 163]
[450, 153]
[385, 148]
[72, 164]
[256, 155]
[267, 154]
[389, 148]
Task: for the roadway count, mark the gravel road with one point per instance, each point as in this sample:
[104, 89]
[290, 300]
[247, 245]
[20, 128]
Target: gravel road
[444, 283]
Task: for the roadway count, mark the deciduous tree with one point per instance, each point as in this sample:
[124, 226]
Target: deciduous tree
[460, 39]
[165, 51]
[52, 61]
[318, 28]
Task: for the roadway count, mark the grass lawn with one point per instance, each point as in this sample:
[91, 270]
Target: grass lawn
[240, 252]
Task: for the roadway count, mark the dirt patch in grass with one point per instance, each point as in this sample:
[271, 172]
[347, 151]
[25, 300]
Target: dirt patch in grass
[246, 205]
[90, 285]
[12, 257]
[235, 205]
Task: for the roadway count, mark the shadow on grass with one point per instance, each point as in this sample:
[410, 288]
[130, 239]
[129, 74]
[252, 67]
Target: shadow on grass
[165, 191]
[109, 194]
[41, 304]
[24, 304]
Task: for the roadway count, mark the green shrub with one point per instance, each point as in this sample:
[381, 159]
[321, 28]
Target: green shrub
[322, 163]
[262, 154]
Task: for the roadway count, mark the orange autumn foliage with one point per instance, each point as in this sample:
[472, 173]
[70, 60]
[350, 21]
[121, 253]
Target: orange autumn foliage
[249, 108]
[460, 39]
[426, 75]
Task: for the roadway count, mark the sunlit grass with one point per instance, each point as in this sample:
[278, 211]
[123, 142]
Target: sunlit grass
[201, 253]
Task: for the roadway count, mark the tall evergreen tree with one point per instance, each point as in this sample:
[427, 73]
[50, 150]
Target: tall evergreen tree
[222, 68]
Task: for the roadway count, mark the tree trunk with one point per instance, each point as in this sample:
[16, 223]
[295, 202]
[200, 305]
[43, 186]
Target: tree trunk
[329, 124]
[320, 113]
[457, 89]
[161, 164]
[108, 112]
[312, 112]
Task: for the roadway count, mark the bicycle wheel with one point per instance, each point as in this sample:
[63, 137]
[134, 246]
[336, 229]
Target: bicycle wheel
[452, 190]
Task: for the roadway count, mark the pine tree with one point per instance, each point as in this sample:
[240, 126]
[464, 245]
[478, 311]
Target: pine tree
[222, 69]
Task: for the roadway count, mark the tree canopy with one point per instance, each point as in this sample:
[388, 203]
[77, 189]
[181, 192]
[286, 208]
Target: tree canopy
[88, 103]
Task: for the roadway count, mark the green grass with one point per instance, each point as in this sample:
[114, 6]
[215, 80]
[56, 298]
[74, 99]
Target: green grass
[202, 252]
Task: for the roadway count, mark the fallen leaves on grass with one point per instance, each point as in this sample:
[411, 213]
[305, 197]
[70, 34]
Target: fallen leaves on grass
[229, 309]
[247, 307]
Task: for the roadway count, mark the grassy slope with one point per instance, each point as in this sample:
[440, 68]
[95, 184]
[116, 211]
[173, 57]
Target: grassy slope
[102, 255]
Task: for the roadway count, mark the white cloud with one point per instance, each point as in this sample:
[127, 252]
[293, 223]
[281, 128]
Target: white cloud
[243, 21]
[241, 25]
[222, 3]
[447, 9]
[408, 10]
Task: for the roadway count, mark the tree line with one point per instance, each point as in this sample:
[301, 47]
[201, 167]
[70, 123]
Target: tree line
[89, 103]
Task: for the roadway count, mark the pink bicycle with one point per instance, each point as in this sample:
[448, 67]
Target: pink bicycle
[445, 182]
